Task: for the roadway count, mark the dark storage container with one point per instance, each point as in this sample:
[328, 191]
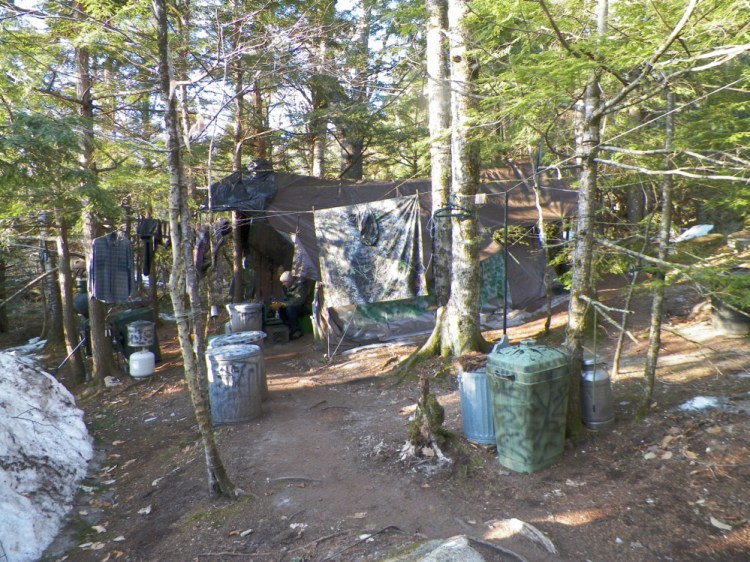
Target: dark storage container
[731, 320]
[529, 385]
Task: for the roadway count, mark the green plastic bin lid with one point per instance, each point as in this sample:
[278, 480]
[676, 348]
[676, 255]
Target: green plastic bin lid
[525, 361]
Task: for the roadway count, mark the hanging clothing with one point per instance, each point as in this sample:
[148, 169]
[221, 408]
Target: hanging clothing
[150, 232]
[202, 250]
[111, 274]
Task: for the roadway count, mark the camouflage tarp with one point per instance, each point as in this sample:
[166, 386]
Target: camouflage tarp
[373, 251]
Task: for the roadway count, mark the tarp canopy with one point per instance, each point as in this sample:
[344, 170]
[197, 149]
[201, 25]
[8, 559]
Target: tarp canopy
[294, 205]
[296, 198]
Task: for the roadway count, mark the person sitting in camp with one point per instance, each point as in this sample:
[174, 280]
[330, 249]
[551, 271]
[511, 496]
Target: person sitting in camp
[294, 304]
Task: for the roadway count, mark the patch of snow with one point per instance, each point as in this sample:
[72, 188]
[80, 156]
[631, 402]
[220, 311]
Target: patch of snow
[695, 232]
[700, 403]
[44, 451]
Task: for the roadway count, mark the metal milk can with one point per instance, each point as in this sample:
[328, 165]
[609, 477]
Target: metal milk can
[596, 395]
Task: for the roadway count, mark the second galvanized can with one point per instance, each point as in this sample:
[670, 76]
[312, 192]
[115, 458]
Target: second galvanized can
[235, 383]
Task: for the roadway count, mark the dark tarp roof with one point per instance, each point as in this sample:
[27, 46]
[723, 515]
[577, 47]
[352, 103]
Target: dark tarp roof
[287, 201]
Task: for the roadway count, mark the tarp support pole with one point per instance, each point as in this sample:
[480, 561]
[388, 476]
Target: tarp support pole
[505, 266]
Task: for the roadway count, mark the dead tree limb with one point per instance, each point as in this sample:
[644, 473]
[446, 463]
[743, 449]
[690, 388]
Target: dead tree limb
[601, 308]
[644, 257]
[28, 286]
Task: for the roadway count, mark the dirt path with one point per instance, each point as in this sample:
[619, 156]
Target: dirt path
[324, 480]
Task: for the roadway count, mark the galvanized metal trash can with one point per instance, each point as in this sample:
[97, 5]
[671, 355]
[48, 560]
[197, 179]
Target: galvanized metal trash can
[141, 333]
[141, 364]
[597, 408]
[529, 385]
[254, 337]
[245, 317]
[234, 383]
[477, 421]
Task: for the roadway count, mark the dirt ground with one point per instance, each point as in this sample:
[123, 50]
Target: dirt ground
[324, 481]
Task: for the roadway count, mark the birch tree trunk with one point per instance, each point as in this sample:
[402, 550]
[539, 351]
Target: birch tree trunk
[75, 362]
[319, 93]
[460, 331]
[457, 329]
[183, 283]
[438, 97]
[583, 250]
[657, 303]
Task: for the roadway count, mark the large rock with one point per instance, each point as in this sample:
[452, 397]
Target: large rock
[455, 549]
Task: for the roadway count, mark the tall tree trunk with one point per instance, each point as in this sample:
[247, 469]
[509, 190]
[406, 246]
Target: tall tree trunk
[352, 152]
[438, 97]
[101, 347]
[75, 362]
[259, 123]
[239, 133]
[183, 283]
[582, 256]
[3, 294]
[657, 303]
[319, 90]
[54, 332]
[352, 134]
[587, 146]
[461, 332]
[454, 157]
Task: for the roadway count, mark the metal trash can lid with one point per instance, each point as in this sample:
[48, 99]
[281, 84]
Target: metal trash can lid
[236, 338]
[590, 361]
[594, 369]
[234, 352]
[140, 325]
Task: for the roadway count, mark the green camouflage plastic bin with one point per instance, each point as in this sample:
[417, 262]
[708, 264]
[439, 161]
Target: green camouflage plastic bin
[529, 386]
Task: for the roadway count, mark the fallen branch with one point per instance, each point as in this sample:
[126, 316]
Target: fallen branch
[291, 478]
[360, 541]
[156, 390]
[317, 541]
[227, 553]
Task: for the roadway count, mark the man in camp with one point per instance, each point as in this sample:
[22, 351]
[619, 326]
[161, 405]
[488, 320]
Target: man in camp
[294, 304]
